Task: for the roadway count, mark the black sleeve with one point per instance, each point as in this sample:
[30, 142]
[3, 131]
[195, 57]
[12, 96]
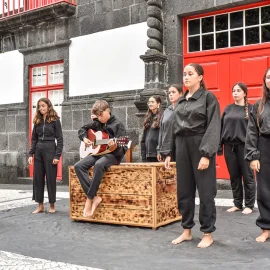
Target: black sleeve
[168, 142]
[143, 150]
[34, 141]
[121, 131]
[210, 140]
[220, 146]
[82, 132]
[59, 139]
[251, 145]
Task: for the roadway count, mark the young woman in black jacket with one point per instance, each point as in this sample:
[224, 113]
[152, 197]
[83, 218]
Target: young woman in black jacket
[258, 154]
[196, 133]
[149, 141]
[234, 122]
[46, 147]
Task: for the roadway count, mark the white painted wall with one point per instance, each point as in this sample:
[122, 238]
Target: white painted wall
[11, 77]
[108, 61]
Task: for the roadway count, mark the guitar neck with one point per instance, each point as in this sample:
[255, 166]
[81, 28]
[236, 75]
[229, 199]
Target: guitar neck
[100, 142]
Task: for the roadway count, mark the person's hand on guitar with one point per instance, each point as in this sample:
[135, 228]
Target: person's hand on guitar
[111, 142]
[87, 142]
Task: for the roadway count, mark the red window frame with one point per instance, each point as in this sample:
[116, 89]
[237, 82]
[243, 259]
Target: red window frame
[187, 54]
[44, 88]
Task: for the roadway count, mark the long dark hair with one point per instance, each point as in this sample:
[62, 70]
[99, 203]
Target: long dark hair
[200, 71]
[245, 90]
[263, 99]
[178, 87]
[51, 114]
[149, 115]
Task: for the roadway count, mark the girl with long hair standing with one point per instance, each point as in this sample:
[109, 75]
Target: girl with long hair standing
[149, 141]
[46, 147]
[175, 91]
[233, 134]
[257, 153]
[196, 133]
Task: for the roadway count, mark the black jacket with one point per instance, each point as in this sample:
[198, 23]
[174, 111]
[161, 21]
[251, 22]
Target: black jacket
[233, 126]
[165, 132]
[114, 128]
[253, 131]
[200, 115]
[149, 142]
[46, 131]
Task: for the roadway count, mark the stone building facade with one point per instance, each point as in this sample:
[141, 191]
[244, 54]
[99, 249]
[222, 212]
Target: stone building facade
[46, 35]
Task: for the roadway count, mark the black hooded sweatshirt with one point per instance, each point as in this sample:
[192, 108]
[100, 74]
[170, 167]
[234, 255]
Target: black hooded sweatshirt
[114, 128]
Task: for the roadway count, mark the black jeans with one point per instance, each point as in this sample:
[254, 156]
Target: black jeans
[101, 164]
[263, 184]
[188, 178]
[43, 158]
[239, 171]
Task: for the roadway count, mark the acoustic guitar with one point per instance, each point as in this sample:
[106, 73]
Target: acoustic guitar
[100, 146]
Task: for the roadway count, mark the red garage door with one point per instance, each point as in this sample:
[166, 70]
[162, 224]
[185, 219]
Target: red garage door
[232, 46]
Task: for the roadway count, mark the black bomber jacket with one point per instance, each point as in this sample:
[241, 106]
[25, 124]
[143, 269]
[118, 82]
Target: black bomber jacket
[199, 115]
[254, 132]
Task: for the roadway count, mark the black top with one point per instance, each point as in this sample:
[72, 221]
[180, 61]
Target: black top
[199, 115]
[114, 128]
[253, 131]
[46, 131]
[233, 125]
[149, 141]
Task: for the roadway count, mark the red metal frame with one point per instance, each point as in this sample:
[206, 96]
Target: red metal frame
[28, 5]
[223, 50]
[47, 88]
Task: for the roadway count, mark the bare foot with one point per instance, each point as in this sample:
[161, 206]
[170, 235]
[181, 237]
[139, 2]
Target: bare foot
[87, 208]
[233, 209]
[96, 201]
[52, 209]
[40, 209]
[185, 236]
[263, 237]
[247, 211]
[206, 241]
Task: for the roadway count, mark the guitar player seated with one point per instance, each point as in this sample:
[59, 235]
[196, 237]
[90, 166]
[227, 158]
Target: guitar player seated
[107, 123]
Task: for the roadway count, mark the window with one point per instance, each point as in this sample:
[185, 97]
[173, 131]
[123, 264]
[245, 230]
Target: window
[238, 28]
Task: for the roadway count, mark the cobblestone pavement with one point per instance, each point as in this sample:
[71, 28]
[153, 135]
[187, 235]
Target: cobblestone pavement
[11, 261]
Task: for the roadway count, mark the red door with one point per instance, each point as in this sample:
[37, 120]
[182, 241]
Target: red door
[217, 80]
[249, 67]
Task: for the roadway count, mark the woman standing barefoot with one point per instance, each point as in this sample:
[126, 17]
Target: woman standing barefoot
[257, 149]
[46, 131]
[233, 134]
[196, 131]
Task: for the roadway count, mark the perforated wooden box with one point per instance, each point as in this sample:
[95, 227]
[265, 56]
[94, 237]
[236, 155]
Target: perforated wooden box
[137, 194]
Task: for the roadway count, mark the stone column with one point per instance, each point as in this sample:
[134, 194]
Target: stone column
[154, 59]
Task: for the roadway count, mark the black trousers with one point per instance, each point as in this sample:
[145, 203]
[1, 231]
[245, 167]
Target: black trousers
[151, 159]
[43, 158]
[263, 184]
[188, 178]
[101, 164]
[239, 171]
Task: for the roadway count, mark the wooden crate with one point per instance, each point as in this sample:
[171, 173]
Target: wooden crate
[137, 194]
